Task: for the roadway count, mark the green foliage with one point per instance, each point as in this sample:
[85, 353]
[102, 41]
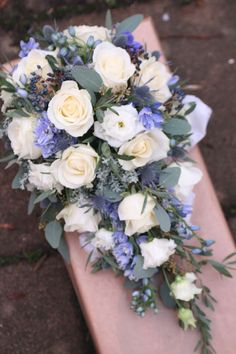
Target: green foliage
[108, 20]
[129, 24]
[163, 218]
[177, 126]
[169, 177]
[53, 233]
[165, 296]
[141, 273]
[87, 78]
[16, 183]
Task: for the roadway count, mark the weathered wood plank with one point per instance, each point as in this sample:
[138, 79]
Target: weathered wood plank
[115, 328]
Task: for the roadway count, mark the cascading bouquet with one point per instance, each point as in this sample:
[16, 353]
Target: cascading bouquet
[101, 130]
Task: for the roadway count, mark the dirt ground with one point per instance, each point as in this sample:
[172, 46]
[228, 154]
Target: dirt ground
[39, 313]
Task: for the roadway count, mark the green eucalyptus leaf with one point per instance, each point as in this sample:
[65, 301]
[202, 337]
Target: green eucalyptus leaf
[53, 232]
[108, 20]
[43, 196]
[87, 78]
[221, 268]
[106, 151]
[177, 126]
[129, 24]
[7, 158]
[141, 273]
[130, 284]
[17, 113]
[192, 106]
[16, 183]
[99, 115]
[124, 157]
[63, 250]
[165, 296]
[111, 196]
[163, 218]
[31, 204]
[169, 177]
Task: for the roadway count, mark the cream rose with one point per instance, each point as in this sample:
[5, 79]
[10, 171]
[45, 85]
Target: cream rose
[118, 128]
[190, 175]
[41, 177]
[84, 32]
[76, 167]
[79, 219]
[71, 109]
[157, 252]
[183, 288]
[145, 148]
[21, 134]
[103, 239]
[113, 64]
[30, 63]
[155, 75]
[130, 211]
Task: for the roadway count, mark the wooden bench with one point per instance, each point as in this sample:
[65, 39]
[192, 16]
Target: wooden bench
[116, 329]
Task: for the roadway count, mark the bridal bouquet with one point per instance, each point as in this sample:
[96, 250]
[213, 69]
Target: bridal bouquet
[101, 130]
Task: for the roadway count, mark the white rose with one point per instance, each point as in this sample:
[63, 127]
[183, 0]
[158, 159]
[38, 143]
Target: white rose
[30, 63]
[157, 252]
[145, 148]
[130, 211]
[198, 119]
[113, 64]
[42, 178]
[103, 239]
[118, 128]
[189, 176]
[79, 219]
[183, 288]
[84, 32]
[76, 167]
[21, 134]
[155, 75]
[71, 109]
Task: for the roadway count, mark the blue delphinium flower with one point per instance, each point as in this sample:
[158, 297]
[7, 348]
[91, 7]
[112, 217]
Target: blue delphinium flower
[119, 237]
[26, 47]
[126, 40]
[108, 209]
[49, 138]
[150, 119]
[123, 253]
[149, 174]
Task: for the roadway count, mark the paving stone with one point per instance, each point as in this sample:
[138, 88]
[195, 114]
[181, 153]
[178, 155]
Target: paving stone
[39, 312]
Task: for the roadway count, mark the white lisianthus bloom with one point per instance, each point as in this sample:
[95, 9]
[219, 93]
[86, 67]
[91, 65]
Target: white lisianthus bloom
[155, 75]
[145, 148]
[157, 252]
[41, 177]
[113, 64]
[84, 32]
[76, 167]
[130, 211]
[79, 219]
[198, 119]
[21, 134]
[118, 128]
[31, 63]
[103, 239]
[183, 288]
[71, 109]
[190, 175]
